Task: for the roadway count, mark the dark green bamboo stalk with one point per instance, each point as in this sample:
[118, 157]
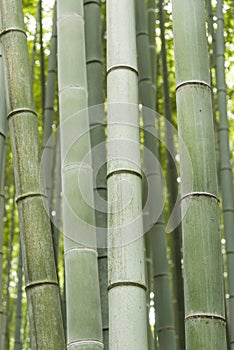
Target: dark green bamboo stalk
[126, 275]
[226, 179]
[203, 273]
[56, 195]
[3, 128]
[39, 267]
[172, 190]
[163, 300]
[34, 49]
[49, 108]
[84, 328]
[94, 62]
[211, 31]
[18, 320]
[8, 273]
[42, 61]
[151, 13]
[212, 55]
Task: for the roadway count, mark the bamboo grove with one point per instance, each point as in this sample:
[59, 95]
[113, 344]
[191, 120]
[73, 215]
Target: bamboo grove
[116, 187]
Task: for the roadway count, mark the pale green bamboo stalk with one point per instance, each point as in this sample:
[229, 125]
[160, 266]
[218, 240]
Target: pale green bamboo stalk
[226, 179]
[126, 275]
[84, 328]
[94, 62]
[162, 289]
[203, 272]
[3, 128]
[49, 108]
[18, 320]
[39, 267]
[172, 191]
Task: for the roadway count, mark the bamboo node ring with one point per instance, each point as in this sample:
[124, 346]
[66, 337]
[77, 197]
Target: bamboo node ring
[29, 195]
[21, 110]
[12, 29]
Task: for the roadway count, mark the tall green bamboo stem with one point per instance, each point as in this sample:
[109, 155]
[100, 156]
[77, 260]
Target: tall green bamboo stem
[56, 198]
[172, 191]
[42, 60]
[126, 273]
[39, 267]
[163, 300]
[3, 128]
[203, 281]
[18, 320]
[49, 107]
[211, 31]
[8, 273]
[84, 328]
[226, 179]
[151, 20]
[50, 144]
[34, 49]
[94, 62]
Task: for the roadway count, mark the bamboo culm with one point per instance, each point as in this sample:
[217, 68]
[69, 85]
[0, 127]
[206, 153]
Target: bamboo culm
[39, 267]
[3, 129]
[162, 289]
[203, 287]
[84, 326]
[226, 179]
[172, 190]
[126, 275]
[94, 63]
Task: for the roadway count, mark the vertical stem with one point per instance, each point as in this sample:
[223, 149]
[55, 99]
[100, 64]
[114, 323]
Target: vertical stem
[49, 108]
[18, 320]
[151, 16]
[94, 63]
[35, 42]
[226, 178]
[39, 265]
[42, 61]
[84, 328]
[203, 271]
[172, 187]
[3, 129]
[154, 224]
[8, 270]
[126, 273]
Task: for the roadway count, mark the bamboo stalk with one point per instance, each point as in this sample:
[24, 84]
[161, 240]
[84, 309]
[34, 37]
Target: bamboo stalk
[39, 267]
[49, 107]
[35, 42]
[126, 273]
[203, 287]
[151, 20]
[172, 190]
[42, 61]
[225, 169]
[8, 273]
[3, 128]
[84, 328]
[162, 289]
[18, 320]
[94, 63]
